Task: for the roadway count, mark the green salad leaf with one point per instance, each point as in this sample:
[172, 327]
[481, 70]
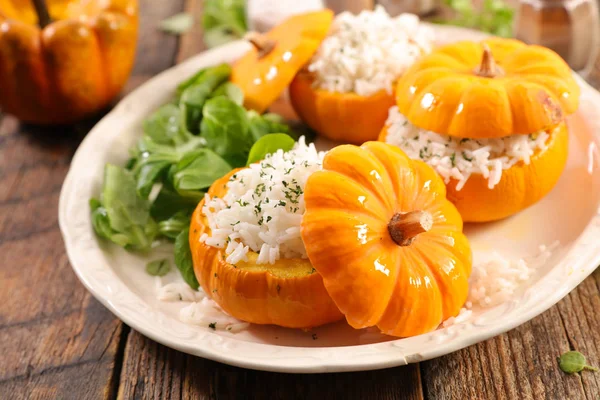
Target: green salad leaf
[197, 171]
[177, 24]
[158, 267]
[495, 16]
[268, 144]
[168, 202]
[186, 145]
[121, 215]
[174, 225]
[230, 90]
[223, 21]
[195, 95]
[183, 258]
[226, 131]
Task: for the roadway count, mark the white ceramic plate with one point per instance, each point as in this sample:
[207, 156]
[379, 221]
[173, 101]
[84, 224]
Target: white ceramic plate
[116, 278]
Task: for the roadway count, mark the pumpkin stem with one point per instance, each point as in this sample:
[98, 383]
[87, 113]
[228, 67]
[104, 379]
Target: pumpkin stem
[404, 227]
[261, 43]
[488, 67]
[42, 13]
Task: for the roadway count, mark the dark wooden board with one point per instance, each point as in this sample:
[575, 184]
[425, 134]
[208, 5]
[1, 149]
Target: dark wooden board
[56, 341]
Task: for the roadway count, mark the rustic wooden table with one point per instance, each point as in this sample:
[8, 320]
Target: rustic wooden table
[57, 342]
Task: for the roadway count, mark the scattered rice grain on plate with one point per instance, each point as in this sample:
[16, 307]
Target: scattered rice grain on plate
[263, 207]
[458, 159]
[366, 53]
[497, 279]
[201, 310]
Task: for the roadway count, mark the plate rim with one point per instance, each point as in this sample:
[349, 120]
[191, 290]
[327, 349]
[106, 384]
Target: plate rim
[300, 359]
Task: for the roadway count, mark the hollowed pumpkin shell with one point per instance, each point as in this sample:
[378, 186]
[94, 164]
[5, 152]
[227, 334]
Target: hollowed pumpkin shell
[345, 117]
[521, 185]
[289, 293]
[353, 209]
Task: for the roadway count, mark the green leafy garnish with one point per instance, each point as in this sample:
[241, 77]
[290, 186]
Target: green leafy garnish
[495, 16]
[121, 216]
[573, 361]
[230, 90]
[174, 225]
[197, 171]
[177, 24]
[268, 144]
[158, 267]
[183, 259]
[226, 131]
[192, 99]
[223, 21]
[186, 145]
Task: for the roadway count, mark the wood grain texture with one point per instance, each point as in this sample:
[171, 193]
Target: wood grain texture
[152, 371]
[56, 341]
[522, 364]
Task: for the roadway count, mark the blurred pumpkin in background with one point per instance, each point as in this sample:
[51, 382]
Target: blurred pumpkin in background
[62, 62]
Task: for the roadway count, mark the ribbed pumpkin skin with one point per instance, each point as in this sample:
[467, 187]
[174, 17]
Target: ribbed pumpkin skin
[442, 93]
[344, 117]
[403, 290]
[70, 69]
[288, 294]
[263, 79]
[520, 186]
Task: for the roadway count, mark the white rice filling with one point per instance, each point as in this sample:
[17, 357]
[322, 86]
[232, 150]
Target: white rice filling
[263, 207]
[456, 158]
[366, 53]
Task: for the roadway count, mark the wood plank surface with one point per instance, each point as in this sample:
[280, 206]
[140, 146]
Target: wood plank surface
[57, 342]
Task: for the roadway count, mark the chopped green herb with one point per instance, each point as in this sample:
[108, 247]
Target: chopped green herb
[213, 325]
[466, 157]
[314, 336]
[453, 159]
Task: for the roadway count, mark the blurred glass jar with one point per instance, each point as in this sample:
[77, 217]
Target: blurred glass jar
[569, 27]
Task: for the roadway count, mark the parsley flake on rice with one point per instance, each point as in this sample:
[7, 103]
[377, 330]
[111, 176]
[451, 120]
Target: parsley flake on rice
[459, 158]
[263, 207]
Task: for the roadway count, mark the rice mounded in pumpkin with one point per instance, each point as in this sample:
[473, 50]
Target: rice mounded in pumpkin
[459, 158]
[366, 53]
[263, 207]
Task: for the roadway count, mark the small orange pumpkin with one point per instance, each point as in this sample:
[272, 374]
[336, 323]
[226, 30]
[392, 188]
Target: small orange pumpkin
[492, 89]
[267, 69]
[520, 186]
[288, 293]
[389, 245]
[69, 67]
[346, 117]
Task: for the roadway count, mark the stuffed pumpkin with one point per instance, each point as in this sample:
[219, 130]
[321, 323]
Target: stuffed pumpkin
[363, 233]
[490, 117]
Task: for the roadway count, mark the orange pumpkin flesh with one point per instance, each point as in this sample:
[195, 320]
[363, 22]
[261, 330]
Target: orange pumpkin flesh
[458, 90]
[288, 293]
[267, 69]
[345, 117]
[352, 231]
[521, 186]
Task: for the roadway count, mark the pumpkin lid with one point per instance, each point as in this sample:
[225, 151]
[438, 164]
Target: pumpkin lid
[388, 244]
[492, 89]
[267, 69]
